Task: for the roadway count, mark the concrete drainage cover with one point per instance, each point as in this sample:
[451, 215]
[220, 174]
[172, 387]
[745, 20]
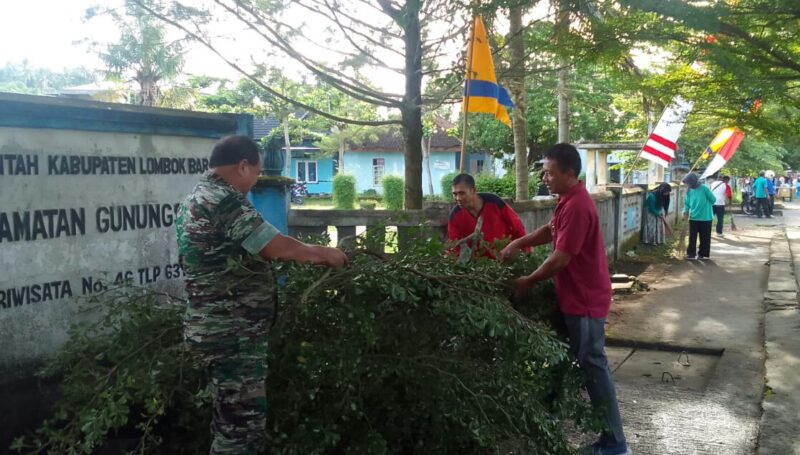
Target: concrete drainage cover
[662, 368]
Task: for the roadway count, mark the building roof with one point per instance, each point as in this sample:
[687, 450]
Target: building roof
[392, 141]
[263, 126]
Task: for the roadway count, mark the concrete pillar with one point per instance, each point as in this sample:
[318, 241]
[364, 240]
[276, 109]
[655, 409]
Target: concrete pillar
[655, 173]
[591, 170]
[270, 197]
[602, 167]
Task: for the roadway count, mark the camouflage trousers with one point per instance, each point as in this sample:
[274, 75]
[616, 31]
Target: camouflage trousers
[231, 342]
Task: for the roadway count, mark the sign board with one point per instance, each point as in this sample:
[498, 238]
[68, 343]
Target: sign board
[83, 205]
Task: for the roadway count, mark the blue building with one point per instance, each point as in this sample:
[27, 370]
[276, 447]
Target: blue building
[312, 167]
[308, 164]
[372, 160]
[375, 159]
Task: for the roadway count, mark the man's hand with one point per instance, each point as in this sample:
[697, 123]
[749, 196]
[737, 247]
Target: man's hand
[332, 257]
[522, 286]
[685, 216]
[509, 252]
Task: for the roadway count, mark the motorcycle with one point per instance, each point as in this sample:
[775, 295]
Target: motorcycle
[298, 193]
[749, 204]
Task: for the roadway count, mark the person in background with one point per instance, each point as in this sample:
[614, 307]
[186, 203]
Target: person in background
[698, 209]
[723, 195]
[771, 196]
[654, 214]
[761, 195]
[500, 221]
[797, 186]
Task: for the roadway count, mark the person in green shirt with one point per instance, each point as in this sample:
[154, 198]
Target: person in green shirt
[655, 208]
[698, 208]
[762, 196]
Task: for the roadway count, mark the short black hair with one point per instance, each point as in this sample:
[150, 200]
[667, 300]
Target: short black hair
[464, 178]
[726, 178]
[566, 157]
[233, 149]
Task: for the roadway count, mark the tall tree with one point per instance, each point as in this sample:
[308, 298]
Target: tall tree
[142, 53]
[516, 88]
[341, 135]
[406, 37]
[26, 79]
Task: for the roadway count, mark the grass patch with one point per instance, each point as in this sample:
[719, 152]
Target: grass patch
[666, 252]
[326, 203]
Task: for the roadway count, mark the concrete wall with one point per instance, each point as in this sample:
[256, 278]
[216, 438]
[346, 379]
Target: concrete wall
[88, 193]
[619, 210]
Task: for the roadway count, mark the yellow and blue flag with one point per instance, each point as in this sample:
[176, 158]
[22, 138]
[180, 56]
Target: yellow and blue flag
[485, 95]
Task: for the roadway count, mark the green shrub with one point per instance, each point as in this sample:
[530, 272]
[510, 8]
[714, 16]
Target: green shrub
[369, 193]
[501, 186]
[393, 189]
[447, 186]
[504, 186]
[410, 354]
[344, 192]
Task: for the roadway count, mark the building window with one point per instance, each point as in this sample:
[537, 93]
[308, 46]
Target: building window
[307, 171]
[478, 166]
[378, 168]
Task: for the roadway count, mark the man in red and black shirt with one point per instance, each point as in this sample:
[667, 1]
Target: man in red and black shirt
[500, 221]
[580, 267]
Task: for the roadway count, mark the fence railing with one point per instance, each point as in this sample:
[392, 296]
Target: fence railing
[620, 211]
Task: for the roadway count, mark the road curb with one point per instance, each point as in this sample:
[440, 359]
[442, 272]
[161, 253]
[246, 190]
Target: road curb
[781, 400]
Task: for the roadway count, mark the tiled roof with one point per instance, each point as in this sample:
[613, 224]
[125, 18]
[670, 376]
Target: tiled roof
[392, 140]
[263, 126]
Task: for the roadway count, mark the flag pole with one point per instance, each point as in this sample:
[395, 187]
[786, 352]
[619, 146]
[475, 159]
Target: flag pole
[470, 50]
[633, 168]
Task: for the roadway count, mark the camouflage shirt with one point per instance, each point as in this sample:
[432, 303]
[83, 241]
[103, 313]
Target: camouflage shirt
[216, 222]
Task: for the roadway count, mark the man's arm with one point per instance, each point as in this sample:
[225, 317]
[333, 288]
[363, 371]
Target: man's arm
[284, 248]
[556, 262]
[535, 238]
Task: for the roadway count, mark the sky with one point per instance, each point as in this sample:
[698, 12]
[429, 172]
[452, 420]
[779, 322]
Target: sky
[54, 34]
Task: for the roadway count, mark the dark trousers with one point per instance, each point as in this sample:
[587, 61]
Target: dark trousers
[700, 229]
[719, 212]
[587, 344]
[762, 207]
[771, 204]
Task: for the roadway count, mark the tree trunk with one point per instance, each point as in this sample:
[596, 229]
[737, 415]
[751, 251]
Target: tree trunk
[516, 87]
[147, 91]
[563, 106]
[288, 145]
[562, 28]
[412, 106]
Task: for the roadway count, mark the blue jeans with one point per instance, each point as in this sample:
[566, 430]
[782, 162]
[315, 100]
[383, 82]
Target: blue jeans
[587, 343]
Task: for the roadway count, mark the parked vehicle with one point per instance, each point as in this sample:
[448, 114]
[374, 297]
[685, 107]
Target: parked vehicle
[749, 204]
[298, 193]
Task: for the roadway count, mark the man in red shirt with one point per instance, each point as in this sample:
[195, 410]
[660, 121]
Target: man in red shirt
[578, 263]
[500, 221]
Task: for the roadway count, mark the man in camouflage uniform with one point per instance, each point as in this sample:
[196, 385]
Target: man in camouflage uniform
[227, 322]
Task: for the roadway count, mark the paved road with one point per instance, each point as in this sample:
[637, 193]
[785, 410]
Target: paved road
[714, 407]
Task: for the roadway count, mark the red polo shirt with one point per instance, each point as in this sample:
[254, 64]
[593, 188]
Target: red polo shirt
[499, 221]
[583, 287]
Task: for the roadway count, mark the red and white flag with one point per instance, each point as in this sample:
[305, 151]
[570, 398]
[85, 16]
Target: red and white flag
[661, 145]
